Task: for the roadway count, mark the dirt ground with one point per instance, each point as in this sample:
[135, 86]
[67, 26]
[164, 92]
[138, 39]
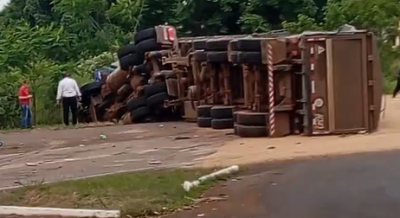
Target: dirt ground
[66, 154]
[251, 151]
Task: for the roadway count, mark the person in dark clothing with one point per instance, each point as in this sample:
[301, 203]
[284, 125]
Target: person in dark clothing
[397, 88]
[68, 94]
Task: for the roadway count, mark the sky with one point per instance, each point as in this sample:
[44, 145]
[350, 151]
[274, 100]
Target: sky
[3, 3]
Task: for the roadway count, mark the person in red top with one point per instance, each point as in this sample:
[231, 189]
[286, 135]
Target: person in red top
[25, 97]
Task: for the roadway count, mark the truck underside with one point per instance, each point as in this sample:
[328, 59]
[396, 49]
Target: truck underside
[273, 84]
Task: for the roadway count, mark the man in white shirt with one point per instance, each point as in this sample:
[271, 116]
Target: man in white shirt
[68, 94]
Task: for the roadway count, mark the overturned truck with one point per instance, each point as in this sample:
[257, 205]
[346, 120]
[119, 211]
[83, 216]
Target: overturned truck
[271, 84]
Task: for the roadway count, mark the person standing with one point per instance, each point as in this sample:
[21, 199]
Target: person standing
[25, 97]
[68, 94]
[397, 88]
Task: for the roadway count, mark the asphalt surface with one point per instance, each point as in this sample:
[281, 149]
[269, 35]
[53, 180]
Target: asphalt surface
[49, 156]
[351, 186]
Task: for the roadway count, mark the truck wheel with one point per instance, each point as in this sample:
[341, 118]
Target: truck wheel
[251, 131]
[217, 44]
[199, 44]
[249, 118]
[204, 110]
[249, 57]
[145, 34]
[222, 112]
[233, 44]
[157, 99]
[126, 50]
[136, 103]
[142, 69]
[222, 123]
[233, 57]
[204, 122]
[150, 90]
[236, 112]
[251, 44]
[217, 57]
[91, 88]
[128, 61]
[200, 56]
[147, 45]
[139, 113]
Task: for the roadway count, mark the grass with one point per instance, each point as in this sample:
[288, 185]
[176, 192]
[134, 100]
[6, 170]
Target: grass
[135, 194]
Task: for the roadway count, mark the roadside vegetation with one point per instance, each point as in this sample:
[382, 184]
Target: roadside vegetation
[135, 194]
[39, 39]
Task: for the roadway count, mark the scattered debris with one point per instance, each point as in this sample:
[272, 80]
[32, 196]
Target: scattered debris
[154, 162]
[115, 165]
[270, 148]
[182, 137]
[229, 170]
[102, 136]
[31, 164]
[200, 215]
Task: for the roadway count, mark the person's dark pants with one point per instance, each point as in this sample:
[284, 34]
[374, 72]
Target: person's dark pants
[70, 104]
[26, 118]
[397, 89]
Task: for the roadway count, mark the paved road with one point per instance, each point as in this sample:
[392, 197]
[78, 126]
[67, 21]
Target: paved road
[353, 186]
[47, 155]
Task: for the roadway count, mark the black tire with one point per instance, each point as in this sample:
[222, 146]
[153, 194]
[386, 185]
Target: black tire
[91, 88]
[157, 99]
[222, 123]
[129, 61]
[204, 122]
[217, 44]
[248, 58]
[146, 46]
[222, 112]
[199, 44]
[144, 35]
[140, 113]
[142, 69]
[200, 56]
[204, 110]
[217, 57]
[126, 50]
[136, 103]
[233, 44]
[233, 57]
[249, 118]
[150, 90]
[156, 55]
[250, 44]
[236, 112]
[251, 131]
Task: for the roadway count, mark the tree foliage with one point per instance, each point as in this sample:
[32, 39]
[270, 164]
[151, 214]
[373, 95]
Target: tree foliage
[40, 38]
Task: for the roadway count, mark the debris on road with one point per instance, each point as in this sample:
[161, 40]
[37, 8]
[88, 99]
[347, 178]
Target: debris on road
[154, 162]
[182, 138]
[31, 164]
[102, 136]
[229, 170]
